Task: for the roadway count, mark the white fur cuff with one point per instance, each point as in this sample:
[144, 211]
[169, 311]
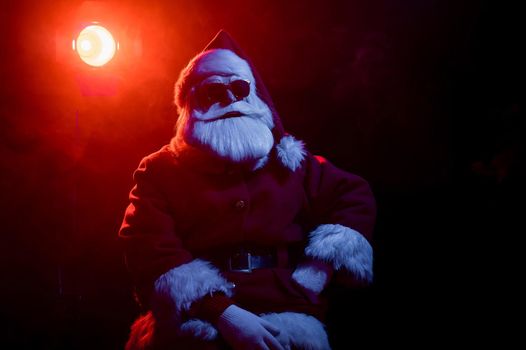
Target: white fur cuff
[312, 275]
[342, 247]
[184, 284]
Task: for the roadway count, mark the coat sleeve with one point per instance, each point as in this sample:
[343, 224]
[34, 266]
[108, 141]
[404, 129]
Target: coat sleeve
[341, 214]
[168, 279]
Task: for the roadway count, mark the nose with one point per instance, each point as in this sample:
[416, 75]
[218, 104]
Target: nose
[228, 98]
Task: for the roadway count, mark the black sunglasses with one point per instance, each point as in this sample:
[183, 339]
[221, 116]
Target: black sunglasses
[213, 92]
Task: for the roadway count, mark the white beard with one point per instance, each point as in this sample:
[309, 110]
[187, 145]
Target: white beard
[238, 139]
[244, 138]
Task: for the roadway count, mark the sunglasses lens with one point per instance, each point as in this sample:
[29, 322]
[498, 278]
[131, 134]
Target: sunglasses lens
[215, 92]
[240, 88]
[210, 93]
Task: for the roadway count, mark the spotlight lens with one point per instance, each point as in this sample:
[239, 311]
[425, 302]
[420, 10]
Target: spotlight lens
[95, 45]
[85, 45]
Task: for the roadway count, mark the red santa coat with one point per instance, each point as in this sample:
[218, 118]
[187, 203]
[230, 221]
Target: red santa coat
[188, 210]
[185, 209]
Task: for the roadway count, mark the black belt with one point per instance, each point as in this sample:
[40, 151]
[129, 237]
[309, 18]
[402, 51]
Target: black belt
[248, 259]
[246, 262]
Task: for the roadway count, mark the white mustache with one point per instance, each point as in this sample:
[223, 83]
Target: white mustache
[215, 112]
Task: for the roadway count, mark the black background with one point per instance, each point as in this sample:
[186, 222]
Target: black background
[422, 98]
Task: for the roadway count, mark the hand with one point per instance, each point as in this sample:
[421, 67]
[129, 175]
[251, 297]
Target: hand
[313, 275]
[243, 330]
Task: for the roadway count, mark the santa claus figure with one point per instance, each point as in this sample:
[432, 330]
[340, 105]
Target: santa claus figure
[234, 229]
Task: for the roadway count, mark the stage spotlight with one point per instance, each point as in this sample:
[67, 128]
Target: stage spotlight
[95, 45]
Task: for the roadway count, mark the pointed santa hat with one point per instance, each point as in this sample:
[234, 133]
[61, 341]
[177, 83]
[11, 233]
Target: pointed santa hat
[289, 151]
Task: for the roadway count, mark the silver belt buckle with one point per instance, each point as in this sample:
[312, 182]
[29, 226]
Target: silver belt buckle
[240, 262]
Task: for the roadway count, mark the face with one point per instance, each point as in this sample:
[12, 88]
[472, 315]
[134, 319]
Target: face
[223, 113]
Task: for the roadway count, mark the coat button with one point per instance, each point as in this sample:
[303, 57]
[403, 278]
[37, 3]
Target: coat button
[240, 204]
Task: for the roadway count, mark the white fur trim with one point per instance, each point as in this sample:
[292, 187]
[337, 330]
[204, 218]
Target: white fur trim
[311, 276]
[300, 330]
[291, 152]
[183, 285]
[143, 331]
[199, 329]
[342, 246]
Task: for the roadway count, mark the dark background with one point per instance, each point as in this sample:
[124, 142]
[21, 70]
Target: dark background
[425, 99]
